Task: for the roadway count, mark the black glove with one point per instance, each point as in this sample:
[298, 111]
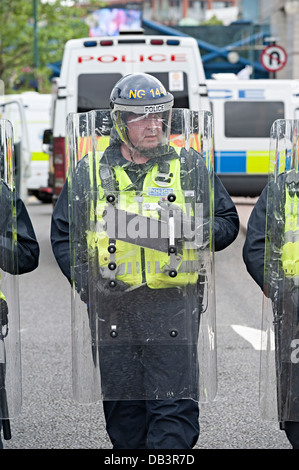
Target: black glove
[3, 312]
[91, 285]
[101, 287]
[186, 227]
[107, 287]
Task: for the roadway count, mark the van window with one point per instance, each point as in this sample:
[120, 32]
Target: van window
[251, 119]
[94, 90]
[181, 99]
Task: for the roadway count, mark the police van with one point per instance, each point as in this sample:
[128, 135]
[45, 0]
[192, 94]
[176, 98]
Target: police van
[243, 112]
[91, 66]
[29, 113]
[12, 109]
[37, 111]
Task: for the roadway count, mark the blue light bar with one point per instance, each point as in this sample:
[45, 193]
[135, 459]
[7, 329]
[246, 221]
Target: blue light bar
[173, 42]
[90, 43]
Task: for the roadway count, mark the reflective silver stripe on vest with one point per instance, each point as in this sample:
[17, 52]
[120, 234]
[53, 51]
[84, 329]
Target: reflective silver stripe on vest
[288, 236]
[291, 237]
[120, 270]
[191, 266]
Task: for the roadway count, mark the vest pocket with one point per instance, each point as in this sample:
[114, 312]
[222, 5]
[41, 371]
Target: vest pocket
[157, 275]
[126, 258]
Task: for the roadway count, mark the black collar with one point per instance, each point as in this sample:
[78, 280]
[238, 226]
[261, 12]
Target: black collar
[114, 157]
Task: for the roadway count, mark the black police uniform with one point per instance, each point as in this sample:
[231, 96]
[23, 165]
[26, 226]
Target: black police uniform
[27, 246]
[254, 257]
[149, 423]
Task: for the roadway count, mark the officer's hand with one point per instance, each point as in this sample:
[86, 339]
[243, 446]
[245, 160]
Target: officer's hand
[106, 287]
[165, 207]
[184, 223]
[3, 312]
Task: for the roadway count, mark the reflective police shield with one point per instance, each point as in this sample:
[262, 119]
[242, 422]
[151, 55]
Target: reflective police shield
[141, 236]
[10, 357]
[279, 385]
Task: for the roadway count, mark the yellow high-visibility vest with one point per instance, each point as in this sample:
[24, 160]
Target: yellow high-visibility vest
[290, 249]
[132, 260]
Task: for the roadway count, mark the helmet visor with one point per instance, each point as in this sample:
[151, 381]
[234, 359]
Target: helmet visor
[144, 132]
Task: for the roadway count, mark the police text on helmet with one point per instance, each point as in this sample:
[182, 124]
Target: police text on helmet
[154, 108]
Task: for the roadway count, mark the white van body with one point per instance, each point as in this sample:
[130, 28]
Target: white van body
[37, 115]
[243, 112]
[91, 66]
[12, 109]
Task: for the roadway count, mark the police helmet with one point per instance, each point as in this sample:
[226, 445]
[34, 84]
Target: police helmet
[140, 94]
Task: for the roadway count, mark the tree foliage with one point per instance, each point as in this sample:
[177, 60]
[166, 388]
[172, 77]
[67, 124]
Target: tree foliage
[24, 55]
[213, 21]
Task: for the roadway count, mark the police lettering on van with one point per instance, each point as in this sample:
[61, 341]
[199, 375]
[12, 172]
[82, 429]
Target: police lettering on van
[158, 58]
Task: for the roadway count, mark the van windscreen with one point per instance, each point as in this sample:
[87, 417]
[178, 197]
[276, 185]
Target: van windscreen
[94, 90]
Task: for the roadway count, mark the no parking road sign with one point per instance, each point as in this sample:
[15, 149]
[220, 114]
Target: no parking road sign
[273, 58]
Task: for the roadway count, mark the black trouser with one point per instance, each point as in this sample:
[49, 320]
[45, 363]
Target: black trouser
[287, 365]
[1, 443]
[291, 429]
[153, 424]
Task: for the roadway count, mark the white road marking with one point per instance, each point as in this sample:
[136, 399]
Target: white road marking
[255, 337]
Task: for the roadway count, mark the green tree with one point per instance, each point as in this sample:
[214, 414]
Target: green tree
[213, 21]
[56, 23]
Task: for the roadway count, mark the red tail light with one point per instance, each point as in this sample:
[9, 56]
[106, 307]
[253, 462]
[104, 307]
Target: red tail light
[59, 164]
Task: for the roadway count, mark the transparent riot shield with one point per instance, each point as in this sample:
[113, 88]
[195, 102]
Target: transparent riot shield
[279, 390]
[142, 262]
[10, 357]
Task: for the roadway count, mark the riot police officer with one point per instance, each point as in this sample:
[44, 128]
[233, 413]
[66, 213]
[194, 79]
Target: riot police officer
[270, 254]
[19, 254]
[149, 376]
[254, 257]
